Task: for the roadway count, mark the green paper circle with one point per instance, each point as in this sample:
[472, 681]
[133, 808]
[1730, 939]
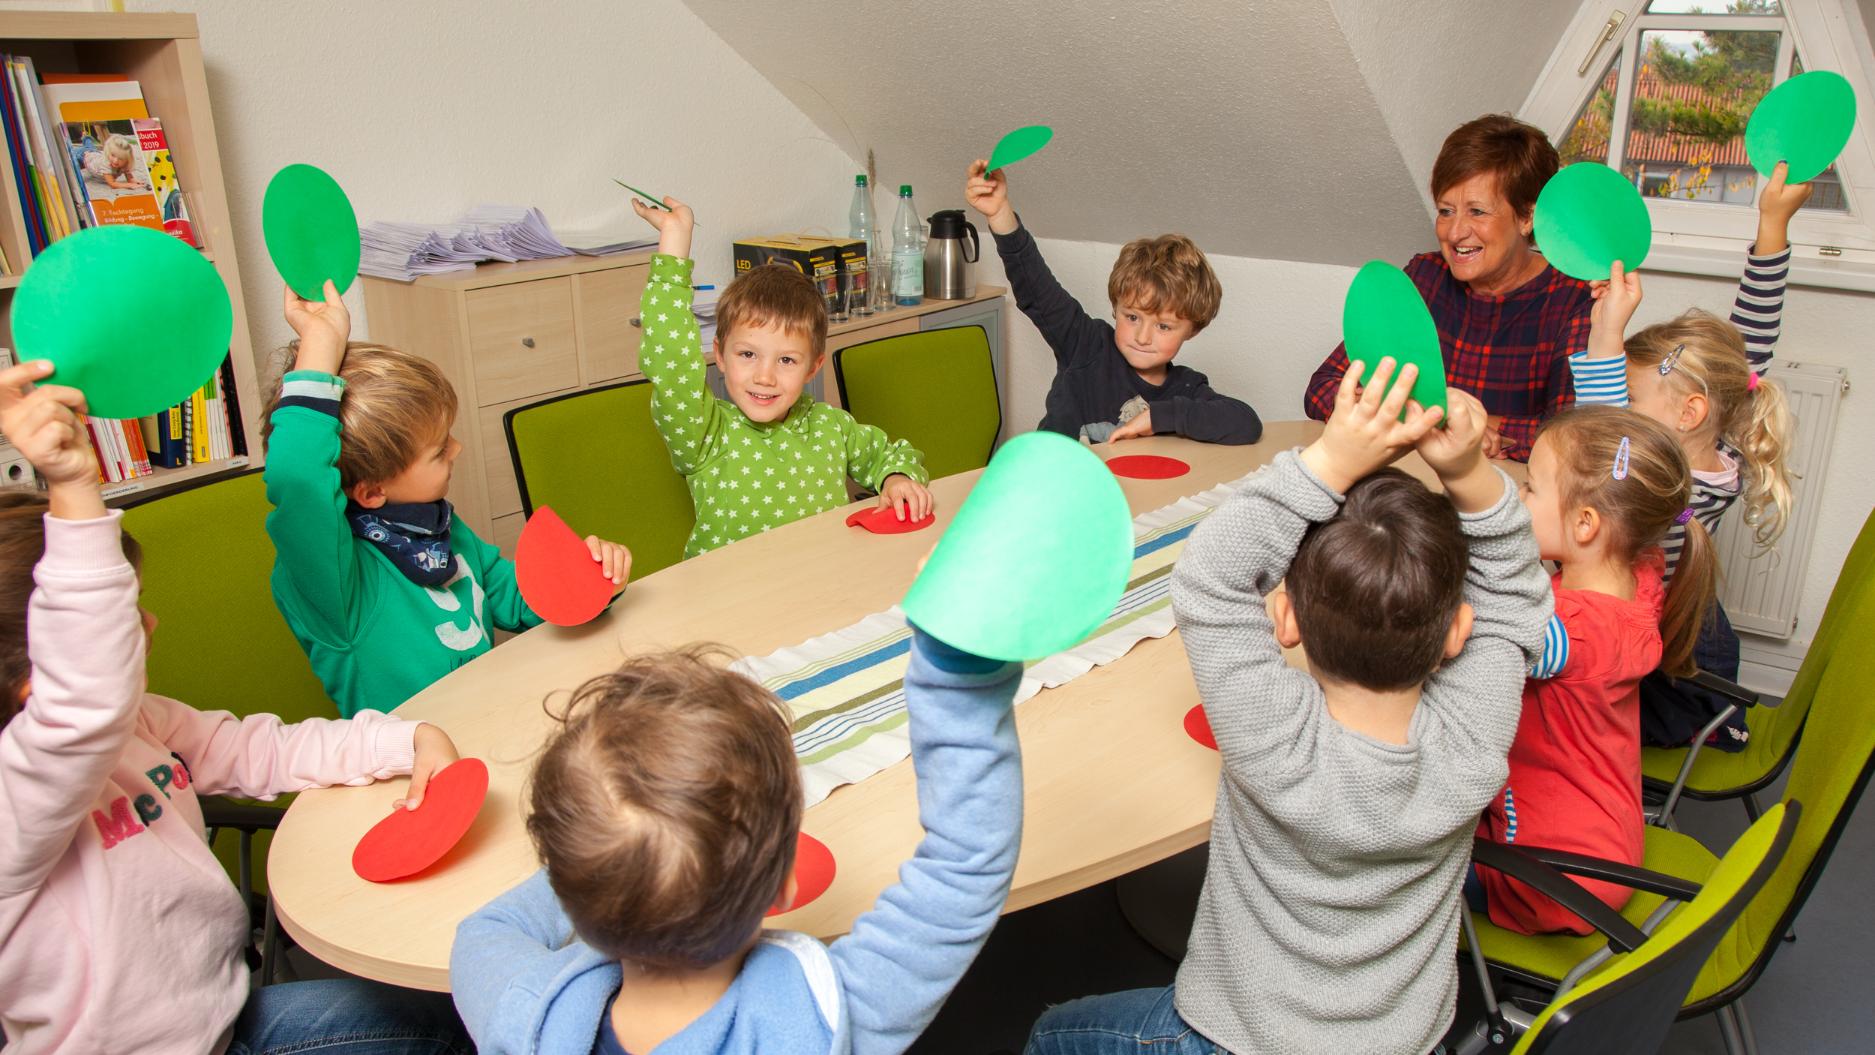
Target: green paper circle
[1036, 558]
[1590, 216]
[134, 318]
[1019, 144]
[311, 231]
[1385, 315]
[1804, 121]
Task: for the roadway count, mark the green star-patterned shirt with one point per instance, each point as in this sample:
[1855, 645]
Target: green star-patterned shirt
[745, 476]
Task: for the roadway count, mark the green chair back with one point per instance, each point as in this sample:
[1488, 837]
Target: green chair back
[1627, 1007]
[936, 390]
[596, 458]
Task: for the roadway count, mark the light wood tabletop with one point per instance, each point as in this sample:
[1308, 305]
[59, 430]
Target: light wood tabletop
[1112, 780]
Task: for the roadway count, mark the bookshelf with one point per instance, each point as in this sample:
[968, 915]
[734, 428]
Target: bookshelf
[162, 52]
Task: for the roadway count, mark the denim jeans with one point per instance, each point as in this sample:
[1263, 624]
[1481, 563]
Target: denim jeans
[348, 1016]
[1138, 1020]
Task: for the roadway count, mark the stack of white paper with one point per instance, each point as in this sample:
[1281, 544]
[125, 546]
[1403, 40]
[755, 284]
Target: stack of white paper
[403, 251]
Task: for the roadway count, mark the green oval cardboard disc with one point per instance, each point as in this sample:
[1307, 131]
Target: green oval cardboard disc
[1036, 558]
[1385, 315]
[1804, 121]
[133, 317]
[311, 230]
[1019, 144]
[1590, 216]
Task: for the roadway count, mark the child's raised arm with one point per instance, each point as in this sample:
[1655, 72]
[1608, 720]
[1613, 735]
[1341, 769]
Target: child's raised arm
[1063, 323]
[1759, 310]
[1600, 371]
[671, 351]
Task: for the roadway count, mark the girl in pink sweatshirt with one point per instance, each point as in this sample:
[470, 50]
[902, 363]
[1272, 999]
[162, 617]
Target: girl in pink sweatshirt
[119, 931]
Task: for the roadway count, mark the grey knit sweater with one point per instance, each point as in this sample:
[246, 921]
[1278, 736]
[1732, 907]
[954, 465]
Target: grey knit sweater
[1329, 918]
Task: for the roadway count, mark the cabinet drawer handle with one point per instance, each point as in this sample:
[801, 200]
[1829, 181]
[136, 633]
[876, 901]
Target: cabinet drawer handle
[637, 323]
[527, 342]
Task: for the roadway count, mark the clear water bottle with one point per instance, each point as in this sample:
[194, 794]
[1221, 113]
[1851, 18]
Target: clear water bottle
[860, 225]
[907, 252]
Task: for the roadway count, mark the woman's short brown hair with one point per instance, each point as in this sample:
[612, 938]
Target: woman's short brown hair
[1167, 273]
[22, 543]
[388, 415]
[1519, 155]
[1375, 589]
[775, 294]
[666, 810]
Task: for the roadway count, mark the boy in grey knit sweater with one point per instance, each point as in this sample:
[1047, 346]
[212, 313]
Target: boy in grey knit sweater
[1350, 792]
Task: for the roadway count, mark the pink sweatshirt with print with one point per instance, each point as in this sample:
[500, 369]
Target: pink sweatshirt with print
[119, 930]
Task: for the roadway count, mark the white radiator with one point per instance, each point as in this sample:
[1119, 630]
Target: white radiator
[1762, 589]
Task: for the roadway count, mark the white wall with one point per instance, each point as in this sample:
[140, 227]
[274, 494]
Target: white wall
[1280, 318]
[423, 109]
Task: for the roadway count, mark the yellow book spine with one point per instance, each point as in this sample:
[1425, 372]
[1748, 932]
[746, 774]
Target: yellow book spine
[198, 433]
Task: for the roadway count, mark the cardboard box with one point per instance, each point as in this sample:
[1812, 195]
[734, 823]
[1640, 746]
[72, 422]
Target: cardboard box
[836, 266]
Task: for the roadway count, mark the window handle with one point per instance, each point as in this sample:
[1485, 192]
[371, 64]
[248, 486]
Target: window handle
[1607, 34]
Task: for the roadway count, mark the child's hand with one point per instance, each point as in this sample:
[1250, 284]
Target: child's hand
[435, 752]
[1139, 426]
[1615, 302]
[614, 559]
[1457, 453]
[674, 226]
[988, 193]
[323, 329]
[1776, 205]
[906, 495]
[42, 423]
[1364, 433]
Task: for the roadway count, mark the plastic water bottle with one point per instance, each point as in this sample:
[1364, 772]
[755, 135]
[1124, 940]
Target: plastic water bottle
[861, 226]
[907, 252]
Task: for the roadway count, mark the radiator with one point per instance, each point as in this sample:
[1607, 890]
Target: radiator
[1762, 590]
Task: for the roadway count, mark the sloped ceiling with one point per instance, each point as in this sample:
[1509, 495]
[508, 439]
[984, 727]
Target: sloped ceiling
[1282, 129]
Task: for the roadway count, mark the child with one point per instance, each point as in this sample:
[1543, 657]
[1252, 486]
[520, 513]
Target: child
[768, 455]
[1605, 485]
[111, 165]
[119, 932]
[1703, 379]
[384, 588]
[1115, 381]
[1350, 791]
[666, 812]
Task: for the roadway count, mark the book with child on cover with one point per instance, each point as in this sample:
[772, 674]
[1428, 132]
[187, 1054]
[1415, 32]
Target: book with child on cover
[127, 175]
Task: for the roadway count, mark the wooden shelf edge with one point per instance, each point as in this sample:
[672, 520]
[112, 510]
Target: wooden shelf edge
[96, 25]
[165, 479]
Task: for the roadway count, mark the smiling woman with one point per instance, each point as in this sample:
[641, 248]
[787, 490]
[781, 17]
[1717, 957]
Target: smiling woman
[1507, 320]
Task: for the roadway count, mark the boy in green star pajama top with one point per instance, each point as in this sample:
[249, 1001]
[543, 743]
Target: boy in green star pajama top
[769, 454]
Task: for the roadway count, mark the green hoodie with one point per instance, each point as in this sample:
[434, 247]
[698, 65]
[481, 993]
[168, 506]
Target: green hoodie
[746, 477]
[374, 637]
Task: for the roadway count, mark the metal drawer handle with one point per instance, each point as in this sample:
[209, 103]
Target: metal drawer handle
[637, 323]
[527, 342]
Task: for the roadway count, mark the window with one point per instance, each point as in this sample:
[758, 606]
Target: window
[1662, 90]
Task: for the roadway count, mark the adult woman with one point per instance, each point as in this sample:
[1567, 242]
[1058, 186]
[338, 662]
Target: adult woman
[1507, 320]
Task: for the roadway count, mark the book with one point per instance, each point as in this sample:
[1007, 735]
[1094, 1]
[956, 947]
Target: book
[17, 152]
[115, 171]
[45, 131]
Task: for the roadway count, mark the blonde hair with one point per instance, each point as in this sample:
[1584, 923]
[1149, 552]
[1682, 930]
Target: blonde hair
[390, 410]
[774, 294]
[1167, 272]
[1639, 508]
[1755, 420]
[119, 145]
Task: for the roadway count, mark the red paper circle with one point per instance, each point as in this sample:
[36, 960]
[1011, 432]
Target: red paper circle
[558, 578]
[813, 872]
[886, 522]
[409, 841]
[1147, 467]
[1198, 727]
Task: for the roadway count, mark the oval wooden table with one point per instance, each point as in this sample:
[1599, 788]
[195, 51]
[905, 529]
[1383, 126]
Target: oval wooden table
[1112, 780]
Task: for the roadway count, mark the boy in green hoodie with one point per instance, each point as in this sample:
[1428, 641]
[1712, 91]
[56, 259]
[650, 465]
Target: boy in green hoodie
[384, 588]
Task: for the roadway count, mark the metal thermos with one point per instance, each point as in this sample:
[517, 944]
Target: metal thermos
[950, 257]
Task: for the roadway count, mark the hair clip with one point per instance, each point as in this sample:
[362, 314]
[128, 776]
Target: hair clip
[1672, 360]
[1751, 380]
[1683, 516]
[1621, 460]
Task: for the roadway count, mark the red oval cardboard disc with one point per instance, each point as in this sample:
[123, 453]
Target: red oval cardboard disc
[1147, 467]
[558, 578]
[813, 872]
[886, 522]
[409, 841]
[1198, 727]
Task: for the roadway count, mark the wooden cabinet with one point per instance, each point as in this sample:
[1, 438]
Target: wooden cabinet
[508, 335]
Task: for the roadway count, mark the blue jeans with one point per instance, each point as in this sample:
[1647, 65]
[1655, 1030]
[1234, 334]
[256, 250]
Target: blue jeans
[1138, 1020]
[348, 1016]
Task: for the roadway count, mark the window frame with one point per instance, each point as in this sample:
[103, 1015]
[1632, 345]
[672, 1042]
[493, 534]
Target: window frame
[1834, 249]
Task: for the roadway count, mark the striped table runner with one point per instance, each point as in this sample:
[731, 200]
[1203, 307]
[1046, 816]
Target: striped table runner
[846, 689]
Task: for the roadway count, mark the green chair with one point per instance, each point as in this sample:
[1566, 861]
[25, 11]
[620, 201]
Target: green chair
[1627, 1006]
[221, 644]
[935, 389]
[596, 458]
[1831, 768]
[1718, 775]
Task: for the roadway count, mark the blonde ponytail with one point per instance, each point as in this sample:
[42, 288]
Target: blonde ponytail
[1762, 437]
